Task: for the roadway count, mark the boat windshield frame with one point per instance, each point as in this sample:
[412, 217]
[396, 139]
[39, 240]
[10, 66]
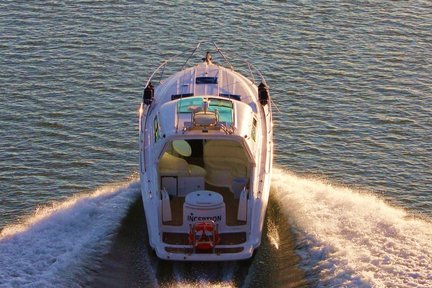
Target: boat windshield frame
[223, 107]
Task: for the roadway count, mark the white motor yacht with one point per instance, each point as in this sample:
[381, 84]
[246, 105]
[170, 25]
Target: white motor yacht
[206, 151]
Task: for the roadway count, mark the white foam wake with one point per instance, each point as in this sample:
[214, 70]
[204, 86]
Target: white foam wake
[354, 239]
[58, 245]
[211, 274]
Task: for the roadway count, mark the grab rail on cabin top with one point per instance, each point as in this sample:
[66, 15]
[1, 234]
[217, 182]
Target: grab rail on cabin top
[165, 63]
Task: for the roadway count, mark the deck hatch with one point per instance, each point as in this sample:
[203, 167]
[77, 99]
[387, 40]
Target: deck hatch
[206, 80]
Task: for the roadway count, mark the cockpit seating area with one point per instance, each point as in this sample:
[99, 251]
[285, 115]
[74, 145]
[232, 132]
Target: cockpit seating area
[224, 161]
[170, 165]
[226, 173]
[179, 176]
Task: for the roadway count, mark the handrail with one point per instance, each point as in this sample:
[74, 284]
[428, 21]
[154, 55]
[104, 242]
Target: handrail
[250, 66]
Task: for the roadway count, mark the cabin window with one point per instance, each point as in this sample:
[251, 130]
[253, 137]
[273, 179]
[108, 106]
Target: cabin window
[254, 127]
[231, 96]
[179, 96]
[156, 129]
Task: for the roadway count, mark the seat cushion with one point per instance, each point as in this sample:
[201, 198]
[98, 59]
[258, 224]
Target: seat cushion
[195, 170]
[172, 165]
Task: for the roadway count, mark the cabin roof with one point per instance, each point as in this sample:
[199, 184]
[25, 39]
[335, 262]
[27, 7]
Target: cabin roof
[206, 80]
[204, 101]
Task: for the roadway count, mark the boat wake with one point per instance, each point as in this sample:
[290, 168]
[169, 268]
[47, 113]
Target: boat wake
[349, 238]
[204, 275]
[343, 237]
[59, 245]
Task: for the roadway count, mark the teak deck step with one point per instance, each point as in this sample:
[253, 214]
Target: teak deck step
[183, 238]
[218, 251]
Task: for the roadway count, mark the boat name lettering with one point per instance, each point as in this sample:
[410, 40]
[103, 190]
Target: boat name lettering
[193, 218]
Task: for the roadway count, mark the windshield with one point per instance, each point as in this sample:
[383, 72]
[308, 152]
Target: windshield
[224, 107]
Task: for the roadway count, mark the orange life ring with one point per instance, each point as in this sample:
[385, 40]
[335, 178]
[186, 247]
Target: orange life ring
[204, 235]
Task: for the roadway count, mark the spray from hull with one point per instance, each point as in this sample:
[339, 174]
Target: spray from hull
[349, 238]
[60, 245]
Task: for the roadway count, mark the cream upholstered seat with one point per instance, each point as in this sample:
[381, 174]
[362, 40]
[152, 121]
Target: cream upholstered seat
[195, 170]
[224, 161]
[170, 165]
[205, 118]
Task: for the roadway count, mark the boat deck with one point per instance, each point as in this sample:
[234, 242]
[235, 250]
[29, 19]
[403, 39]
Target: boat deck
[231, 206]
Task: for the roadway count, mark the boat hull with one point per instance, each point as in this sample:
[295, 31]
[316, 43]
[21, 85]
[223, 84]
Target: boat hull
[206, 152]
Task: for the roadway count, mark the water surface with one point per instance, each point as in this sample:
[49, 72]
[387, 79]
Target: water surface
[352, 86]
